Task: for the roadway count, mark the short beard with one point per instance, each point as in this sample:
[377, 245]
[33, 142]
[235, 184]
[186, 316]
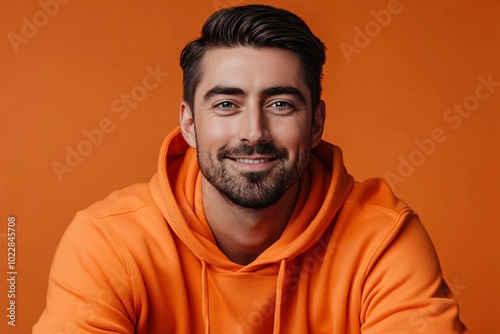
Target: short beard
[253, 190]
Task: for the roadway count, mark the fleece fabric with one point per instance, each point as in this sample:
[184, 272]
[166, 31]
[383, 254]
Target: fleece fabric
[352, 259]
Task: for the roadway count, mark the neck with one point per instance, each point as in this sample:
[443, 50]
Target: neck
[242, 234]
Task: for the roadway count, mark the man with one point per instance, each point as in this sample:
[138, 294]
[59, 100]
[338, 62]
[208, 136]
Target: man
[252, 224]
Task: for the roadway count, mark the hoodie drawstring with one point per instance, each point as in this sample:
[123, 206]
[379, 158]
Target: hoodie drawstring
[204, 296]
[280, 285]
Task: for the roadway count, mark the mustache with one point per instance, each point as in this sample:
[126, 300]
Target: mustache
[249, 150]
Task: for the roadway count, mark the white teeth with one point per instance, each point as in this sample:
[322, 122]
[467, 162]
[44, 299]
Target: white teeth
[252, 161]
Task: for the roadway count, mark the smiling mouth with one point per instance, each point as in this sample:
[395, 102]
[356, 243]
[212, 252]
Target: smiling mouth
[252, 161]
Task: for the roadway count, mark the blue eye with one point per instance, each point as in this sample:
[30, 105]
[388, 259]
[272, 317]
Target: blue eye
[282, 107]
[225, 105]
[281, 104]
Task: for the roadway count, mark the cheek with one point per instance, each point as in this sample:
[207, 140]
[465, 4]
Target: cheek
[291, 134]
[212, 135]
[283, 125]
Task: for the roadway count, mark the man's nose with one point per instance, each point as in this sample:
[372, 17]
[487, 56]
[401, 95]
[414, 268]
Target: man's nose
[254, 125]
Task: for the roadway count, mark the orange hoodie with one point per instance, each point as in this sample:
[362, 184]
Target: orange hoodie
[352, 259]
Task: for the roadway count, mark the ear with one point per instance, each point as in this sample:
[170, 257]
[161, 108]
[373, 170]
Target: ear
[318, 123]
[187, 124]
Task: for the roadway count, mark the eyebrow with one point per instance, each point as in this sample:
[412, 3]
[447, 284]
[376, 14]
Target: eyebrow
[271, 91]
[222, 90]
[283, 90]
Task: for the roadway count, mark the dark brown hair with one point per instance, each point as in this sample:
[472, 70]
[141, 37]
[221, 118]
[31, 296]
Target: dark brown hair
[255, 26]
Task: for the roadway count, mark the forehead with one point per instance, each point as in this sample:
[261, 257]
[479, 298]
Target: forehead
[251, 69]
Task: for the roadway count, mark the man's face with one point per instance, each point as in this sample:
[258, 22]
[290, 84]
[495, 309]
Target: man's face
[253, 125]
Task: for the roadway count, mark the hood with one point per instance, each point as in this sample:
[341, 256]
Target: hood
[176, 189]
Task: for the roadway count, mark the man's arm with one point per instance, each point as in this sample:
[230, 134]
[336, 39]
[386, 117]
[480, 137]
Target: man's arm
[89, 290]
[404, 291]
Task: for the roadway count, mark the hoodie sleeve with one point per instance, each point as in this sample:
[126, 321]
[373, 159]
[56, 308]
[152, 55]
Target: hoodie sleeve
[404, 291]
[90, 290]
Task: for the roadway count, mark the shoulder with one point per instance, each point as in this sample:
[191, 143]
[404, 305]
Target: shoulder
[375, 194]
[375, 220]
[123, 202]
[128, 218]
[396, 263]
[130, 210]
[372, 209]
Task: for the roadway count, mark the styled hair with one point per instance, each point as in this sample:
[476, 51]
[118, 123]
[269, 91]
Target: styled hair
[258, 26]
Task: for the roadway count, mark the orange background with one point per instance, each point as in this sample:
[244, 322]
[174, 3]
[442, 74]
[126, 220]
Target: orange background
[61, 78]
